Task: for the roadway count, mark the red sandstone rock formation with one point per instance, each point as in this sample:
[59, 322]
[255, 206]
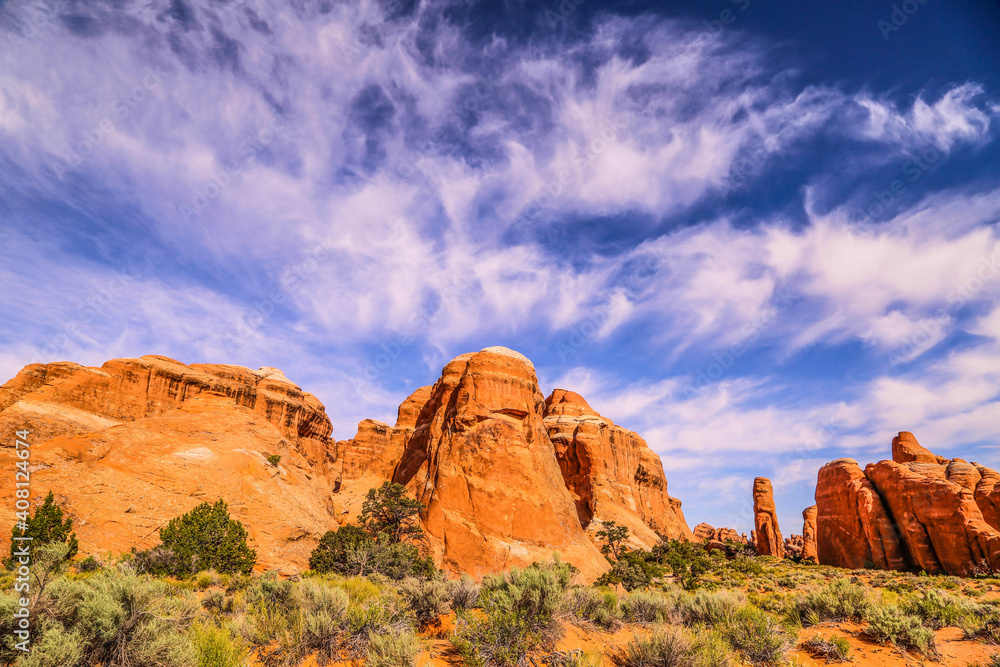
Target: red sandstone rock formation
[987, 495]
[704, 531]
[494, 492]
[136, 442]
[768, 535]
[918, 511]
[853, 528]
[809, 534]
[132, 444]
[793, 546]
[355, 456]
[611, 472]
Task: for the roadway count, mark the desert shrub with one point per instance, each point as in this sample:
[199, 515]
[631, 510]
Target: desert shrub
[274, 459]
[888, 624]
[687, 560]
[323, 611]
[351, 551]
[838, 601]
[218, 646]
[646, 607]
[464, 593]
[217, 603]
[269, 613]
[746, 565]
[157, 560]
[519, 615]
[207, 538]
[393, 650]
[937, 609]
[758, 636]
[498, 640]
[594, 606]
[674, 647]
[88, 564]
[385, 614]
[712, 608]
[981, 622]
[831, 649]
[204, 581]
[46, 525]
[57, 648]
[633, 569]
[427, 598]
[124, 620]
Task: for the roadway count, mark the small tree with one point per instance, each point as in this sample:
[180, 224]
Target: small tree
[274, 459]
[333, 553]
[44, 527]
[387, 511]
[615, 536]
[351, 551]
[206, 538]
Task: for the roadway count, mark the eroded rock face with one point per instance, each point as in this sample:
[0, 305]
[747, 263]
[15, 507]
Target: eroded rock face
[488, 472]
[704, 531]
[355, 456]
[916, 512]
[611, 472]
[129, 446]
[853, 528]
[809, 533]
[65, 398]
[767, 534]
[987, 495]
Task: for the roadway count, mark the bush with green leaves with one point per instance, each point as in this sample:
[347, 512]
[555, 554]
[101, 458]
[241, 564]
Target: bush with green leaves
[45, 526]
[840, 600]
[464, 593]
[938, 609]
[647, 607]
[614, 538]
[675, 647]
[218, 646]
[117, 619]
[888, 624]
[593, 605]
[428, 599]
[387, 613]
[519, 615]
[710, 607]
[688, 561]
[351, 551]
[387, 511]
[274, 459]
[205, 538]
[393, 650]
[757, 636]
[633, 569]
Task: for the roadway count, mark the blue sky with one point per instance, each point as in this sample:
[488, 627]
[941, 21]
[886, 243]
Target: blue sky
[762, 236]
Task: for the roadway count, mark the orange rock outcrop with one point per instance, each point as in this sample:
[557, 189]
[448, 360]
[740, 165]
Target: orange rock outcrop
[767, 535]
[704, 531]
[611, 472]
[916, 512]
[136, 442]
[507, 477]
[809, 533]
[488, 473]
